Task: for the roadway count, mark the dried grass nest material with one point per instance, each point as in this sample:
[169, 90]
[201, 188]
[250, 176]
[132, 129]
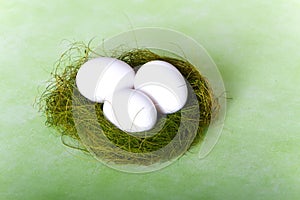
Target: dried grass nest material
[56, 102]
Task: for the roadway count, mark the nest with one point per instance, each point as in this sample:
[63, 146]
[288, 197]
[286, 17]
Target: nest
[60, 99]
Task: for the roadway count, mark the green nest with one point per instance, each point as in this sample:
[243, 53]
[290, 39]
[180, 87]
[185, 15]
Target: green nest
[57, 99]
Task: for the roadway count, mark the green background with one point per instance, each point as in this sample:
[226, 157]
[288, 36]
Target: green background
[256, 45]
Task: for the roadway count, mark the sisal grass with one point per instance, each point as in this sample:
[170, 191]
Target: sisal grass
[57, 104]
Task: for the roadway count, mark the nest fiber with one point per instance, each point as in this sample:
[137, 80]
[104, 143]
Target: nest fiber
[57, 99]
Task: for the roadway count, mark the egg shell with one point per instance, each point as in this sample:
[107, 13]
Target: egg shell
[133, 111]
[164, 84]
[98, 78]
[108, 112]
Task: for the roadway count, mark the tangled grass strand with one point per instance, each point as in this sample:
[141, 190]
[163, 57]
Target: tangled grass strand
[56, 103]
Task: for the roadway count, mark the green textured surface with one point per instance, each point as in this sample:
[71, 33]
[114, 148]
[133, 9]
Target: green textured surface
[256, 46]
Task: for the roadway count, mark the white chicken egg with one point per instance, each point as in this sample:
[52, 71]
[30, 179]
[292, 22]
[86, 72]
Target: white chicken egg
[164, 84]
[131, 111]
[99, 78]
[109, 113]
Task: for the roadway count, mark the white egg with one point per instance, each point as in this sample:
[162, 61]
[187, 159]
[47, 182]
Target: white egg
[164, 84]
[98, 78]
[131, 111]
[109, 113]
